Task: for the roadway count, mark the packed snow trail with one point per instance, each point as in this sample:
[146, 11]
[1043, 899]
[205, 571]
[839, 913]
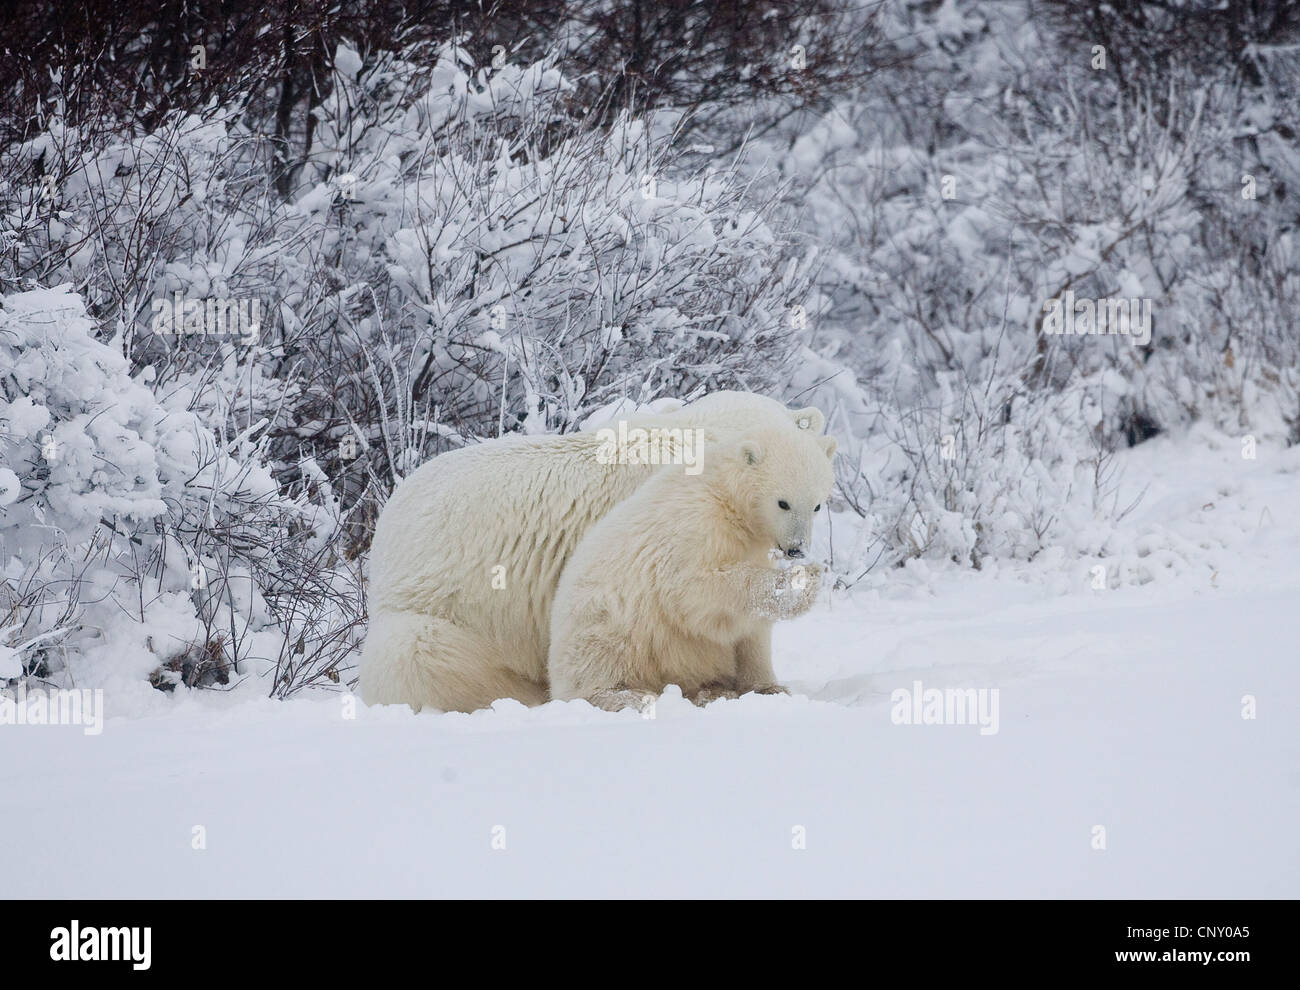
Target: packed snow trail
[1119, 708]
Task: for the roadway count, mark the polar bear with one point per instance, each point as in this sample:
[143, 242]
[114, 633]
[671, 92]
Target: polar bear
[678, 584]
[469, 549]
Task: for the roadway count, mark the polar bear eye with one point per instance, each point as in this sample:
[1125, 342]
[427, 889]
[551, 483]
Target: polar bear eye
[817, 508]
[783, 504]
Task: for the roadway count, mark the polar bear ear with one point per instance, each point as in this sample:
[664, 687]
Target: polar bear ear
[828, 445]
[751, 451]
[809, 418]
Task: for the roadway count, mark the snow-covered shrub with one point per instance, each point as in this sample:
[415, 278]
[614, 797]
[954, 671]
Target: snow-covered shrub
[438, 249]
[970, 477]
[495, 268]
[132, 536]
[983, 179]
[462, 256]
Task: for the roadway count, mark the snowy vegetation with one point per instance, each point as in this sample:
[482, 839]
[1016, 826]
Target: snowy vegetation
[453, 225]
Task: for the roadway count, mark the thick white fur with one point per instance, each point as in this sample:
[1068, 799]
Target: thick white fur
[440, 634]
[677, 585]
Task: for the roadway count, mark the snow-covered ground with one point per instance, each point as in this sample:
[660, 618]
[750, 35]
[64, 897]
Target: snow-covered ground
[1120, 708]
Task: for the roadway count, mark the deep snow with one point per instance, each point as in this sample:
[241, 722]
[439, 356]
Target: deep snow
[1119, 707]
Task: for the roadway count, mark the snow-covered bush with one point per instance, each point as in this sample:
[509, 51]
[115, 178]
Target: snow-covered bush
[93, 462]
[432, 249]
[495, 268]
[984, 179]
[462, 256]
[133, 538]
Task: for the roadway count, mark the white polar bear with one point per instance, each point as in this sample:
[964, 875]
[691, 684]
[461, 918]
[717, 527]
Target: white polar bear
[677, 583]
[469, 549]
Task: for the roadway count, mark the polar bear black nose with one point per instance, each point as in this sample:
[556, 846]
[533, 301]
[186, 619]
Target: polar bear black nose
[794, 551]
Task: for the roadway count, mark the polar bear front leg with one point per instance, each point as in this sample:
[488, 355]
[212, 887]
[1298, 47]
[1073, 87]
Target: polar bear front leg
[754, 665]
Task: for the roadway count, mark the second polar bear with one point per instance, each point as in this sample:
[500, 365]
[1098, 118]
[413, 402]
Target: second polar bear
[677, 585]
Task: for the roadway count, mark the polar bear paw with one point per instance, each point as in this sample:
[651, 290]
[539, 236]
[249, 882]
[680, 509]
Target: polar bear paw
[714, 692]
[616, 699]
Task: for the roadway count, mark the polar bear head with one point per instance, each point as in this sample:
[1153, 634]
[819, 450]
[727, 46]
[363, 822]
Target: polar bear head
[780, 480]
